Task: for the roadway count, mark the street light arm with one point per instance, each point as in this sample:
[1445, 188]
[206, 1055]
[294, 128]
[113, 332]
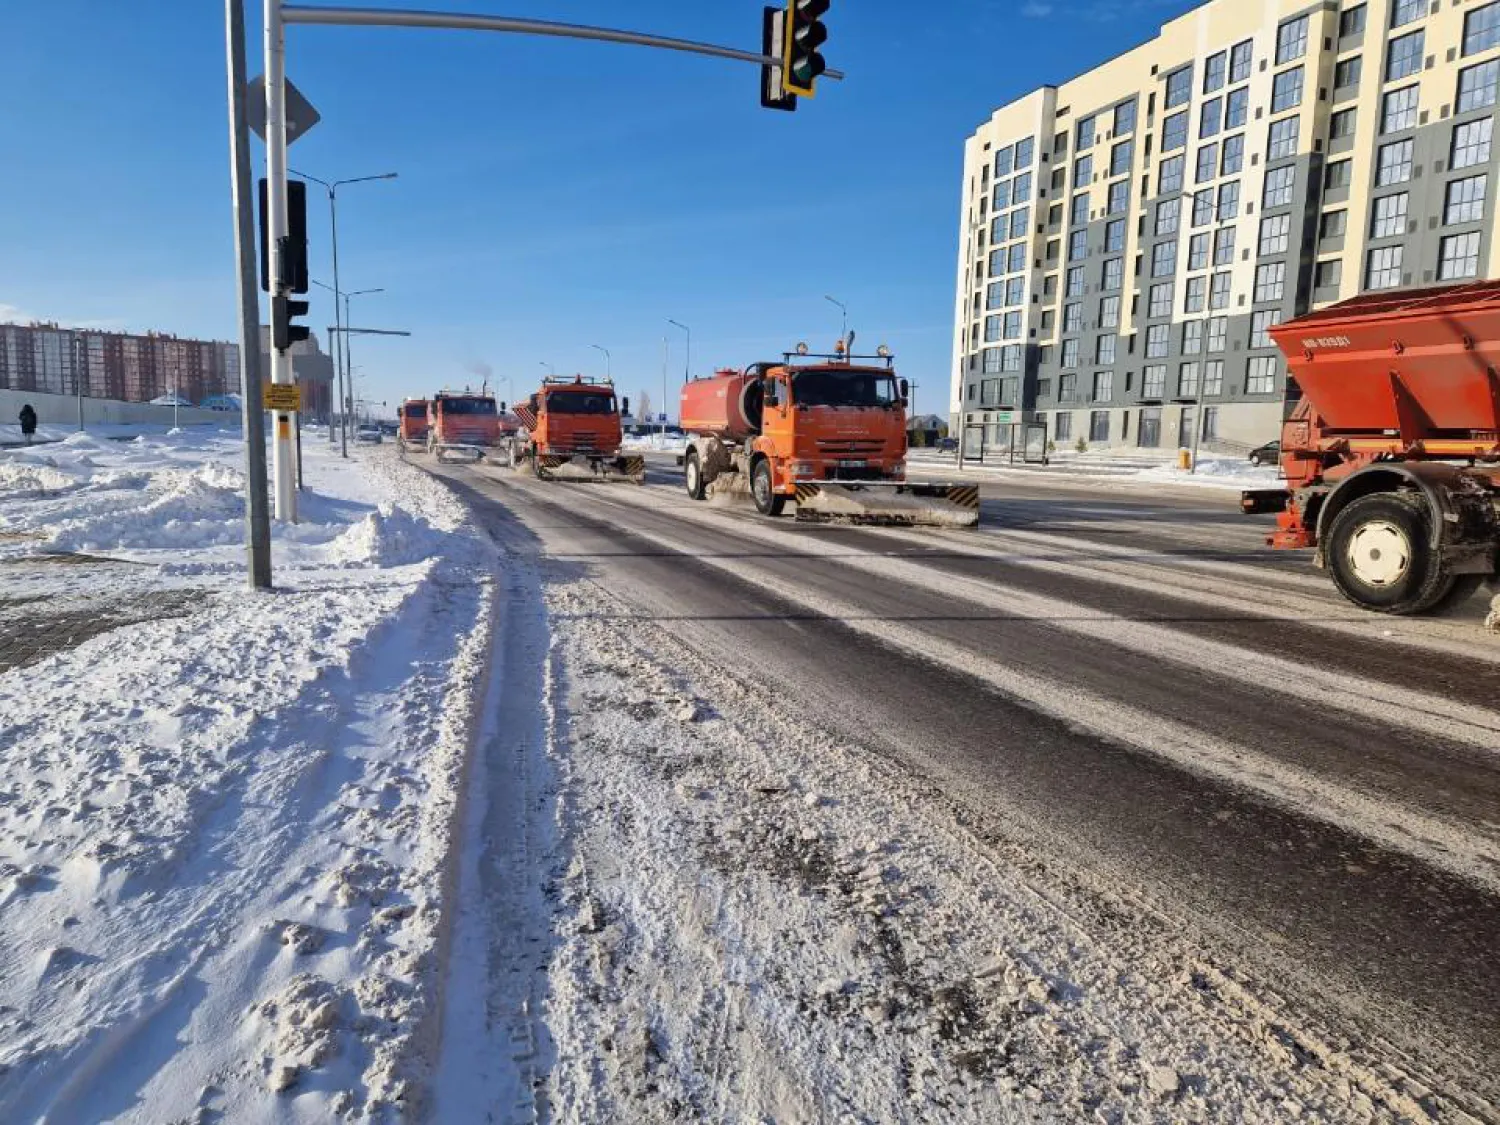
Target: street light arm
[365, 179]
[313, 179]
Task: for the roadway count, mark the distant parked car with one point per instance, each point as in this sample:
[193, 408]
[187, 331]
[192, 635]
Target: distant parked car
[1267, 454]
[370, 435]
[389, 429]
[947, 445]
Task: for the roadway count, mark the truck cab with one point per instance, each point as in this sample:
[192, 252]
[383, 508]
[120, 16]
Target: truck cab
[412, 423]
[576, 418]
[463, 424]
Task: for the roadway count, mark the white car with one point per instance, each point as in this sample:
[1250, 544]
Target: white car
[370, 435]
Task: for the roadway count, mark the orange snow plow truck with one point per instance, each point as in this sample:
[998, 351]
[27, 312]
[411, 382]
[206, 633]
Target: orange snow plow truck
[824, 431]
[1392, 455]
[462, 426]
[570, 430]
[411, 424]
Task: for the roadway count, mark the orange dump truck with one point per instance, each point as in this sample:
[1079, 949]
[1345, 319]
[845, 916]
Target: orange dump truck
[826, 432]
[412, 425]
[462, 426]
[570, 430]
[1392, 455]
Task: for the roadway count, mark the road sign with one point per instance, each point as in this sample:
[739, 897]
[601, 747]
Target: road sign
[300, 115]
[283, 397]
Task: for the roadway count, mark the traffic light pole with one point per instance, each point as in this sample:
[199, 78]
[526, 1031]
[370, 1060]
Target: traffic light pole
[282, 449]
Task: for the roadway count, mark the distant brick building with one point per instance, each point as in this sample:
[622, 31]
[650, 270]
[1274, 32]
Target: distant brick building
[114, 365]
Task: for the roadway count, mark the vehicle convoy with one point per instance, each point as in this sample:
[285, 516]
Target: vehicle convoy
[570, 430]
[1392, 455]
[825, 431]
[462, 426]
[412, 424]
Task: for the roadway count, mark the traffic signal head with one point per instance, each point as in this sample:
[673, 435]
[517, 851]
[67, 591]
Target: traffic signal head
[294, 248]
[773, 45]
[801, 60]
[283, 332]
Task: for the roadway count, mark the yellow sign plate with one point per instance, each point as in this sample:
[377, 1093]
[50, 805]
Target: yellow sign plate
[283, 396]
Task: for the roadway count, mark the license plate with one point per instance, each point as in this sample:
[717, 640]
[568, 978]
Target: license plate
[852, 464]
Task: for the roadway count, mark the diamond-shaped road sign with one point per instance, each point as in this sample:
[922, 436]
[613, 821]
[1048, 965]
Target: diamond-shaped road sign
[300, 115]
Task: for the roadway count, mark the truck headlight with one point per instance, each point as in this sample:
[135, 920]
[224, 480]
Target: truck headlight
[803, 468]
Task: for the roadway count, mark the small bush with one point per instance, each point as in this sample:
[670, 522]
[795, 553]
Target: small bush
[1081, 446]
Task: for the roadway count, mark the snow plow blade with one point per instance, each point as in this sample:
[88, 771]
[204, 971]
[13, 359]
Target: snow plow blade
[889, 505]
[463, 454]
[593, 470]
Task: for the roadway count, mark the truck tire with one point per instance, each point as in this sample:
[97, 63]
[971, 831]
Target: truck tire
[1381, 556]
[762, 488]
[692, 476]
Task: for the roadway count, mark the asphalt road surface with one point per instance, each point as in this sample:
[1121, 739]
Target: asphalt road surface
[1127, 687]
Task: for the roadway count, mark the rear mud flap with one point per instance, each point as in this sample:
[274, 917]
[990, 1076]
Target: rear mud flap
[904, 505]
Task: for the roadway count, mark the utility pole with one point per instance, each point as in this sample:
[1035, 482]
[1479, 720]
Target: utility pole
[283, 454]
[663, 426]
[252, 414]
[78, 377]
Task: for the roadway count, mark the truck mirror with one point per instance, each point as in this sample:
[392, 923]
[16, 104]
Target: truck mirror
[905, 390]
[625, 405]
[502, 408]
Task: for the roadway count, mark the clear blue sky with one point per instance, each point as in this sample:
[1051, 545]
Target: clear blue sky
[552, 194]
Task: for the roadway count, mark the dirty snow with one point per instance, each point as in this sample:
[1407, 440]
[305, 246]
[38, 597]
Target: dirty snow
[1102, 468]
[224, 825]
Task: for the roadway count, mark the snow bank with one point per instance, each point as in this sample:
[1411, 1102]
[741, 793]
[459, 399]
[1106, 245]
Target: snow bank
[660, 443]
[1104, 467]
[225, 817]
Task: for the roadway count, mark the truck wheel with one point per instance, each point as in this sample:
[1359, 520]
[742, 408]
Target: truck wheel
[767, 502]
[1381, 557]
[692, 475]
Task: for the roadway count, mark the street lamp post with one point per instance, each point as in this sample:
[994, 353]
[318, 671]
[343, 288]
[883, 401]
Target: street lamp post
[687, 362]
[608, 369]
[346, 382]
[664, 386]
[552, 371]
[844, 326]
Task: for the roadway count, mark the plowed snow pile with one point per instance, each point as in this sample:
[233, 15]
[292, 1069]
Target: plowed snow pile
[223, 826]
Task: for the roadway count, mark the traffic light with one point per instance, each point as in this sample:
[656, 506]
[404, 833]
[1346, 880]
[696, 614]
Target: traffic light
[294, 249]
[283, 332]
[773, 45]
[805, 33]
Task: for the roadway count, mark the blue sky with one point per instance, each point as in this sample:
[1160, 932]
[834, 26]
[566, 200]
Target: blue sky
[552, 194]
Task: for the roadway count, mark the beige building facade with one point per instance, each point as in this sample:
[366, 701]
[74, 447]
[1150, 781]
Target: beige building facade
[1127, 238]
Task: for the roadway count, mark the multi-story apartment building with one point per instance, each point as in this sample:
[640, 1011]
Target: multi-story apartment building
[1128, 237]
[114, 365]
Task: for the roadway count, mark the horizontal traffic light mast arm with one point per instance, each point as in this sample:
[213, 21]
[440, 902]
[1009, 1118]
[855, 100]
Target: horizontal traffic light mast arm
[459, 21]
[347, 331]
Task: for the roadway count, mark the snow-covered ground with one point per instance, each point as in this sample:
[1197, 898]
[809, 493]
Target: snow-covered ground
[51, 432]
[661, 443]
[1101, 467]
[225, 816]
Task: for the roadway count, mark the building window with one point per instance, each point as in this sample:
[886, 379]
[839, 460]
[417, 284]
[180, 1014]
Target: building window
[1333, 224]
[1016, 260]
[1010, 359]
[1073, 317]
[1229, 201]
[1260, 375]
[1119, 197]
[1341, 125]
[1236, 105]
[1179, 87]
[991, 329]
[1070, 353]
[1019, 222]
[1329, 274]
[1078, 244]
[1399, 110]
[1352, 22]
[1012, 330]
[1208, 162]
[1283, 139]
[1085, 132]
[997, 261]
[1213, 377]
[1275, 232]
[1347, 73]
[1390, 216]
[1000, 197]
[1022, 190]
[1270, 281]
[991, 367]
[1154, 379]
[1067, 388]
[1049, 283]
[1062, 423]
[1476, 86]
[1074, 286]
[1109, 311]
[1338, 175]
[1393, 164]
[1120, 157]
[1174, 132]
[1104, 349]
[1234, 155]
[1214, 72]
[989, 394]
[1187, 380]
[1465, 200]
[1203, 208]
[1404, 12]
[1291, 40]
[1170, 175]
[994, 296]
[1482, 29]
[1168, 216]
[1025, 152]
[1197, 294]
[1124, 118]
[1459, 257]
[1218, 293]
[1218, 333]
[1384, 270]
[1198, 252]
[1240, 59]
[1163, 258]
[1159, 339]
[1224, 239]
[1210, 423]
[1161, 300]
[1192, 337]
[1114, 236]
[1286, 90]
[1404, 57]
[1210, 118]
[1015, 291]
[1104, 386]
[1279, 187]
[1083, 171]
[1005, 161]
[1098, 425]
[1261, 322]
[1080, 209]
[1471, 143]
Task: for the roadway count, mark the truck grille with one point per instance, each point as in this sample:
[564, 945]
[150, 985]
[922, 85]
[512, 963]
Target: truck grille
[843, 447]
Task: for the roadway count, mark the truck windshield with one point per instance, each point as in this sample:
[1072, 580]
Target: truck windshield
[838, 387]
[575, 402]
[469, 406]
[415, 410]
